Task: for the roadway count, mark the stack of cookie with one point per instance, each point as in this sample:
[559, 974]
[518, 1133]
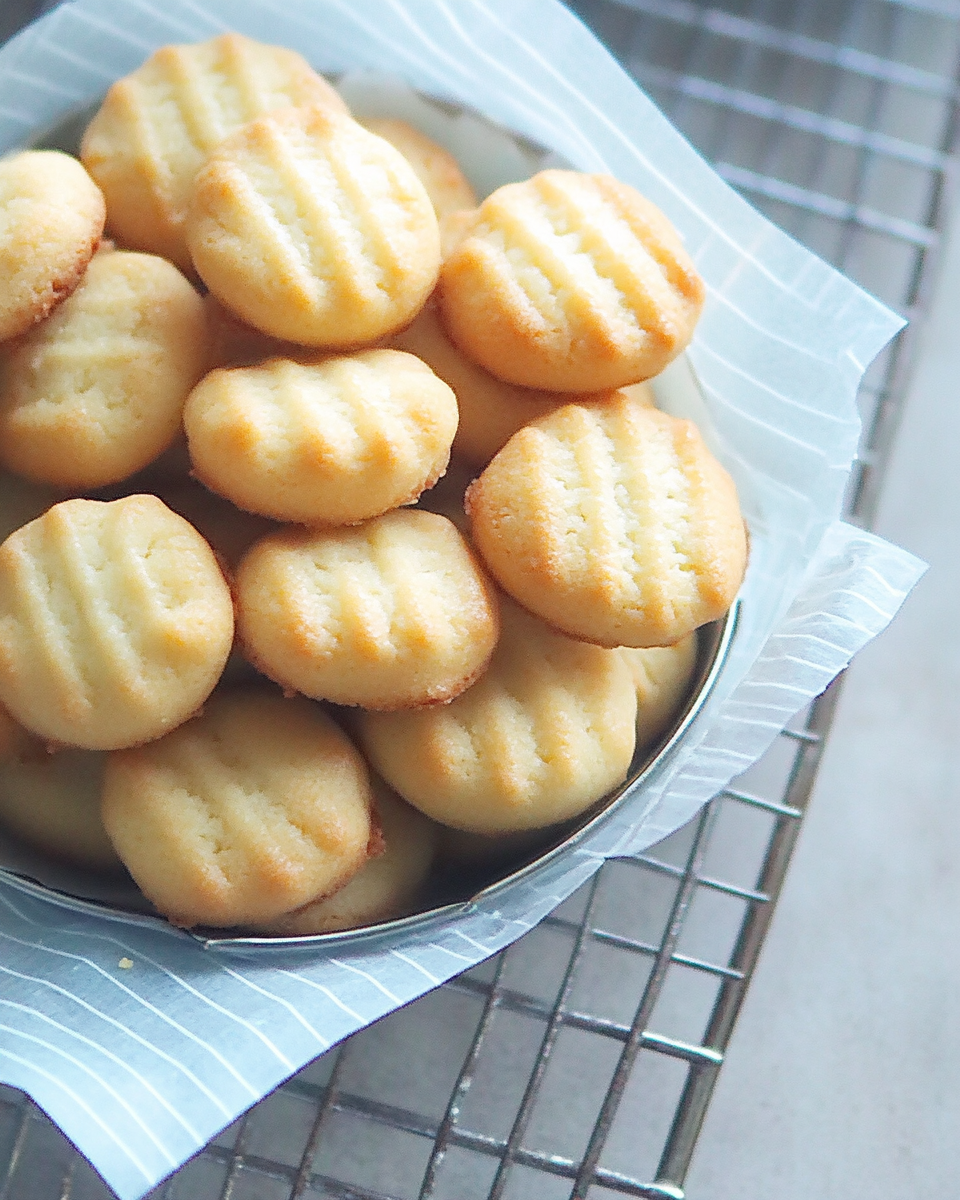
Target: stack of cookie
[252, 642]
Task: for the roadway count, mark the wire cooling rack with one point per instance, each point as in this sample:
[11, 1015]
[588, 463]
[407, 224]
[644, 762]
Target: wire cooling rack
[580, 1062]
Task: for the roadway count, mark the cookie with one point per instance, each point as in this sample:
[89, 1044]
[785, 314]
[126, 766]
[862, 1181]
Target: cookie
[229, 531]
[251, 809]
[386, 887]
[313, 230]
[96, 392]
[158, 125]
[52, 801]
[51, 221]
[662, 677]
[613, 522]
[545, 732]
[570, 282]
[491, 411]
[233, 343]
[453, 229]
[326, 442]
[394, 613]
[115, 622]
[436, 168]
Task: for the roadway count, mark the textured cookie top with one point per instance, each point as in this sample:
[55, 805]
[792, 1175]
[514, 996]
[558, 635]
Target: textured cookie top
[436, 168]
[613, 522]
[385, 887]
[570, 282]
[330, 442]
[115, 622]
[546, 731]
[97, 391]
[314, 230]
[255, 807]
[393, 613]
[51, 221]
[157, 126]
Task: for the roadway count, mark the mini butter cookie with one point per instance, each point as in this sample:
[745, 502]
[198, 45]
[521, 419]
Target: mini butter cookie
[254, 807]
[570, 282]
[613, 522]
[453, 229]
[157, 126]
[393, 613]
[330, 442]
[115, 622]
[230, 531]
[545, 732]
[234, 343]
[314, 230]
[662, 676]
[51, 221]
[491, 411]
[436, 168]
[97, 391]
[52, 801]
[385, 887]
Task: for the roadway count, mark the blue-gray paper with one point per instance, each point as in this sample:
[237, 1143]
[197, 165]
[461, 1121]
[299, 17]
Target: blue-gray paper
[142, 1064]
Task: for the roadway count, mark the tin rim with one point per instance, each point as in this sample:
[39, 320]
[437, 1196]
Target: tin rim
[715, 641]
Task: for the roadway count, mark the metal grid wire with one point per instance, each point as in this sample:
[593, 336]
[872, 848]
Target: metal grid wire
[580, 1062]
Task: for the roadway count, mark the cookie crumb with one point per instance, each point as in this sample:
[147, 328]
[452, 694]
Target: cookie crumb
[125, 964]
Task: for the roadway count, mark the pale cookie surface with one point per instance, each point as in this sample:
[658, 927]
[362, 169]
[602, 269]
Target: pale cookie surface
[52, 801]
[330, 442]
[454, 226]
[436, 168]
[662, 676]
[613, 522]
[394, 613]
[158, 125]
[491, 411]
[253, 808]
[385, 887]
[115, 622]
[314, 230]
[51, 221]
[543, 734]
[571, 282]
[97, 391]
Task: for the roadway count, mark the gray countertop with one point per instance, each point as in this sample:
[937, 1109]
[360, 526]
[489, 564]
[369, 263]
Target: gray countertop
[841, 1080]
